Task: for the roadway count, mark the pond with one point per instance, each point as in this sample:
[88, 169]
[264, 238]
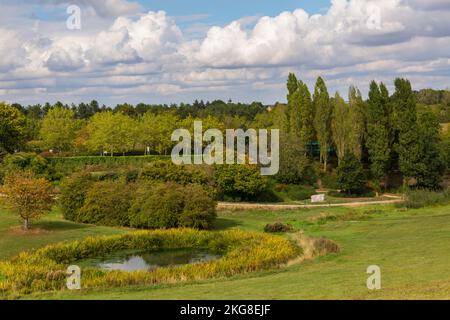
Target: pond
[145, 260]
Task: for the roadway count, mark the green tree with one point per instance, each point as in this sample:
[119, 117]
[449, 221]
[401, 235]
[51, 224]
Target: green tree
[431, 167]
[239, 181]
[341, 126]
[322, 120]
[377, 134]
[292, 84]
[350, 174]
[27, 196]
[59, 129]
[357, 125]
[111, 132]
[12, 128]
[295, 167]
[293, 101]
[446, 148]
[307, 133]
[165, 124]
[405, 117]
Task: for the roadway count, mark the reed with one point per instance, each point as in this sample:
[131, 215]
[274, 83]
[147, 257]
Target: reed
[242, 251]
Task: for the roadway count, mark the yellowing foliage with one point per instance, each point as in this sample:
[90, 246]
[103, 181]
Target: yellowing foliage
[44, 269]
[27, 196]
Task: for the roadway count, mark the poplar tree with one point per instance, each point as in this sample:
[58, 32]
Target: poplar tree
[322, 120]
[377, 138]
[341, 126]
[357, 125]
[292, 99]
[307, 133]
[406, 130]
[432, 165]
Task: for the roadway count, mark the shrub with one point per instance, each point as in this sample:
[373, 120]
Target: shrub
[107, 203]
[60, 167]
[329, 181]
[323, 246]
[171, 205]
[350, 174]
[239, 181]
[243, 251]
[295, 166]
[157, 206]
[292, 192]
[277, 227]
[421, 198]
[166, 171]
[199, 209]
[73, 194]
[23, 161]
[131, 175]
[105, 175]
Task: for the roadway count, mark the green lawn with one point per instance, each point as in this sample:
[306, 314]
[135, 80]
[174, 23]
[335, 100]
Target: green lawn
[411, 247]
[52, 228]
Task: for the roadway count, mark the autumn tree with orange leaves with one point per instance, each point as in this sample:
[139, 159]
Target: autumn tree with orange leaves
[27, 196]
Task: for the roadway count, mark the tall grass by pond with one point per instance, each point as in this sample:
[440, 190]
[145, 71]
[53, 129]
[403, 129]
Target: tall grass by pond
[45, 269]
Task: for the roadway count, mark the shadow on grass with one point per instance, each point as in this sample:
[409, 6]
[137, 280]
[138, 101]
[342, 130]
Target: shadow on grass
[224, 223]
[59, 225]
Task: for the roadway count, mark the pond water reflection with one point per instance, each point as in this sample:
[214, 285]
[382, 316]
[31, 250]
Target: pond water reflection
[144, 260]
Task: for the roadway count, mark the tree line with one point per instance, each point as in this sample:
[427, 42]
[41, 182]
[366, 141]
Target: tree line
[386, 133]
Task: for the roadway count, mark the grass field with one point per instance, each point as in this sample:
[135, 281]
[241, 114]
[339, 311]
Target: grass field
[411, 247]
[50, 229]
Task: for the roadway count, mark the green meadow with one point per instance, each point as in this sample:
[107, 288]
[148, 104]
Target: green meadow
[410, 246]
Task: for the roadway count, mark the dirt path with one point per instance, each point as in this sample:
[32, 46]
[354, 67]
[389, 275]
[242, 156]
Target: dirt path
[277, 207]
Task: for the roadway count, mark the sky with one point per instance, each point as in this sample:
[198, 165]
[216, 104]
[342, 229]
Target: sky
[171, 51]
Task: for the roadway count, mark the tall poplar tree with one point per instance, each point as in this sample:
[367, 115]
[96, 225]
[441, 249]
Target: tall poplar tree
[322, 119]
[377, 138]
[340, 126]
[357, 125]
[432, 165]
[405, 120]
[292, 99]
[307, 133]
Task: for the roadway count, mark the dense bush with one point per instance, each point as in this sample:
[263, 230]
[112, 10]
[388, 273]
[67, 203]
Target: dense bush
[107, 203]
[60, 167]
[105, 198]
[105, 175]
[446, 148]
[277, 227]
[23, 161]
[295, 166]
[350, 174]
[329, 181]
[73, 193]
[171, 205]
[165, 171]
[45, 269]
[199, 209]
[421, 198]
[292, 192]
[240, 182]
[157, 206]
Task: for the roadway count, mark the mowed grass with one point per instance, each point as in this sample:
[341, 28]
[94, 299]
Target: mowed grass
[412, 248]
[50, 229]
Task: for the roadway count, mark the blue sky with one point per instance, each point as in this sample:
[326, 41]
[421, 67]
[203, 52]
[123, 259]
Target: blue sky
[216, 49]
[224, 11]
